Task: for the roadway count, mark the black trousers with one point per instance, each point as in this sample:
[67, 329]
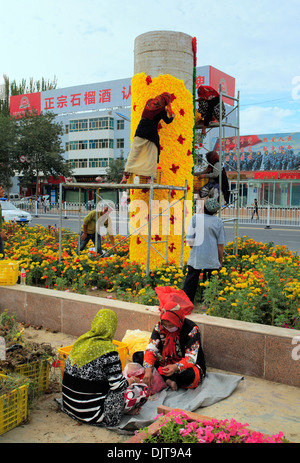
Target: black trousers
[192, 280]
[183, 379]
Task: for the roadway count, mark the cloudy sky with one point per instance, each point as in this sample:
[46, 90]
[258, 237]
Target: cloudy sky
[89, 41]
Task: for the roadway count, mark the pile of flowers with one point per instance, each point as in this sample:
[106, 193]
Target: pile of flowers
[259, 284]
[178, 428]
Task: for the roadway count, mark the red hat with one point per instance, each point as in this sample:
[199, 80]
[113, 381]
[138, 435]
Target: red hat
[174, 304]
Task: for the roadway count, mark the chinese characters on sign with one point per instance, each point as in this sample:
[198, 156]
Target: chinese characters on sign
[85, 98]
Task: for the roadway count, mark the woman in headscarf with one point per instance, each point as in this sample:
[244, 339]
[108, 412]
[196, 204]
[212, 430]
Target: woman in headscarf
[175, 344]
[209, 106]
[145, 148]
[94, 390]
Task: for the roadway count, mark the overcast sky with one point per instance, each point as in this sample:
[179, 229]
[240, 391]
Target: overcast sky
[88, 41]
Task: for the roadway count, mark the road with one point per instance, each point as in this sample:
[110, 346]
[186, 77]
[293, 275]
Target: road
[280, 235]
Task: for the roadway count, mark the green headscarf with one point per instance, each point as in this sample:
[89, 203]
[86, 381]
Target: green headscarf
[97, 341]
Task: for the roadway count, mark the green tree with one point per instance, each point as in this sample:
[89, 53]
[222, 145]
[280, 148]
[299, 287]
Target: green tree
[12, 88]
[116, 170]
[39, 141]
[9, 159]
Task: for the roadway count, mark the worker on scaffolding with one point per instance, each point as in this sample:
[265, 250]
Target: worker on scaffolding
[211, 188]
[208, 107]
[92, 224]
[145, 148]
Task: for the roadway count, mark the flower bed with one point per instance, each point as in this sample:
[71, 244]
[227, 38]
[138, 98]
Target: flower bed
[181, 427]
[259, 284]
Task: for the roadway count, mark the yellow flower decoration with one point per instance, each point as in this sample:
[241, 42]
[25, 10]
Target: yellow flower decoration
[176, 163]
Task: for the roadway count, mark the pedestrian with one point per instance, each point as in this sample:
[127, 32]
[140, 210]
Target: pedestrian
[46, 205]
[209, 106]
[3, 236]
[91, 225]
[174, 348]
[206, 237]
[94, 390]
[255, 210]
[145, 148]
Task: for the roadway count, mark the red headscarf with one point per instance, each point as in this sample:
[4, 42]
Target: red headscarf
[174, 305]
[206, 93]
[155, 105]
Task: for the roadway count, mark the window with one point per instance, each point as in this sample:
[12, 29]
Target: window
[80, 125]
[120, 124]
[101, 123]
[120, 142]
[78, 163]
[102, 143]
[77, 145]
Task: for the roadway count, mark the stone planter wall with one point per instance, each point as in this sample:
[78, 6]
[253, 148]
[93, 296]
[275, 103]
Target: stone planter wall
[239, 347]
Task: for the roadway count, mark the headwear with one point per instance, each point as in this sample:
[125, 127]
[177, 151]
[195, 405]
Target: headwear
[174, 305]
[212, 205]
[212, 158]
[97, 341]
[206, 93]
[155, 105]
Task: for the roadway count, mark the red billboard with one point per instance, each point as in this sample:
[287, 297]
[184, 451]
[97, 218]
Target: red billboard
[227, 83]
[19, 104]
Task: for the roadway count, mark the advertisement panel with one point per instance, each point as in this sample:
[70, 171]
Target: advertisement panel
[227, 83]
[266, 152]
[89, 97]
[19, 104]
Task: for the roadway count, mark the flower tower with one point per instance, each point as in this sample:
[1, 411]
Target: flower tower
[165, 62]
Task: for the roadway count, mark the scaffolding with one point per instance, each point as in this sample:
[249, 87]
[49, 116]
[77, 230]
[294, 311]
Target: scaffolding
[151, 186]
[234, 194]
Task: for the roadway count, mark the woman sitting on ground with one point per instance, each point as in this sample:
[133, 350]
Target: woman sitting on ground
[175, 344]
[94, 390]
[145, 148]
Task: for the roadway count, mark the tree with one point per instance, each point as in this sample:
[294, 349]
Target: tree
[39, 142]
[12, 88]
[116, 170]
[9, 159]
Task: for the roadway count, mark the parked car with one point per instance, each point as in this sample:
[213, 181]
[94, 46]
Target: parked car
[11, 213]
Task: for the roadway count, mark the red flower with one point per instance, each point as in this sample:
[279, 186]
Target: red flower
[138, 241]
[173, 97]
[173, 193]
[172, 247]
[188, 153]
[157, 238]
[174, 168]
[181, 112]
[148, 80]
[172, 219]
[159, 126]
[180, 139]
[134, 107]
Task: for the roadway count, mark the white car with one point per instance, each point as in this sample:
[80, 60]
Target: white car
[11, 213]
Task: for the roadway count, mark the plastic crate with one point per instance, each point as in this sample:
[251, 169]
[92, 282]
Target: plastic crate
[9, 272]
[122, 350]
[37, 372]
[13, 407]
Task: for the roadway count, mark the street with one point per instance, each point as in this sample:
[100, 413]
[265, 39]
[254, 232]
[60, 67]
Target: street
[281, 235]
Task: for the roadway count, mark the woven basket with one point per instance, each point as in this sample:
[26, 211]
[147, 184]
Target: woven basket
[143, 179]
[199, 182]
